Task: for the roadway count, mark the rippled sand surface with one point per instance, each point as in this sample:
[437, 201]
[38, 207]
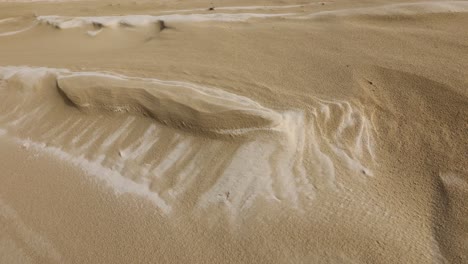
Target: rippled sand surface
[233, 131]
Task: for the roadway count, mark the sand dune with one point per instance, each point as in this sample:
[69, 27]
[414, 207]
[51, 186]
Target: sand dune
[123, 157]
[170, 103]
[182, 105]
[256, 132]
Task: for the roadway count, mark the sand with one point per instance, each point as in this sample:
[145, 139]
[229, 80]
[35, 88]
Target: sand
[233, 131]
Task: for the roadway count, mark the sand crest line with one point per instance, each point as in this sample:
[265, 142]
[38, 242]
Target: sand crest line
[10, 33]
[117, 21]
[266, 7]
[64, 22]
[100, 22]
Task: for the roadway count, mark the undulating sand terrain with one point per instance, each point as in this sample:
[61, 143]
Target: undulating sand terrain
[223, 131]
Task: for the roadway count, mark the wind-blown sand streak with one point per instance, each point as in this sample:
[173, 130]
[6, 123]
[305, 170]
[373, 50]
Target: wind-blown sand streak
[144, 20]
[10, 33]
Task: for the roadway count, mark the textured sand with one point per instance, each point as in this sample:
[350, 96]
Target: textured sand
[256, 132]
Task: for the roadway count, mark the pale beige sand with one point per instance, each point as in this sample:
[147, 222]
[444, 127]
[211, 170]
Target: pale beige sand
[257, 132]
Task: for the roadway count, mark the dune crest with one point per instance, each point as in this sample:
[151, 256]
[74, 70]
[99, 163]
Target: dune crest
[63, 22]
[178, 104]
[96, 24]
[173, 104]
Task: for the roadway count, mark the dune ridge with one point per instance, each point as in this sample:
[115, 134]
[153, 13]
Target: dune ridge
[178, 104]
[124, 21]
[410, 9]
[144, 20]
[119, 149]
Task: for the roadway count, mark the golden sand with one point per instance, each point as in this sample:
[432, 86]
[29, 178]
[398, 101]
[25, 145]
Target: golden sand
[233, 131]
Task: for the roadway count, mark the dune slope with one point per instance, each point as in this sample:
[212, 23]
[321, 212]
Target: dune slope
[233, 132]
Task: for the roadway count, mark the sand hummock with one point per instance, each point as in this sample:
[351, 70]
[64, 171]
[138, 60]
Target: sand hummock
[244, 132]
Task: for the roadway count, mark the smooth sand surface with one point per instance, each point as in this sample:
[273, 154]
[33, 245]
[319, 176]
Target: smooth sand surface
[233, 131]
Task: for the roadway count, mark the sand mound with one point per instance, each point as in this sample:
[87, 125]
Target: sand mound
[186, 106]
[174, 104]
[434, 112]
[134, 154]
